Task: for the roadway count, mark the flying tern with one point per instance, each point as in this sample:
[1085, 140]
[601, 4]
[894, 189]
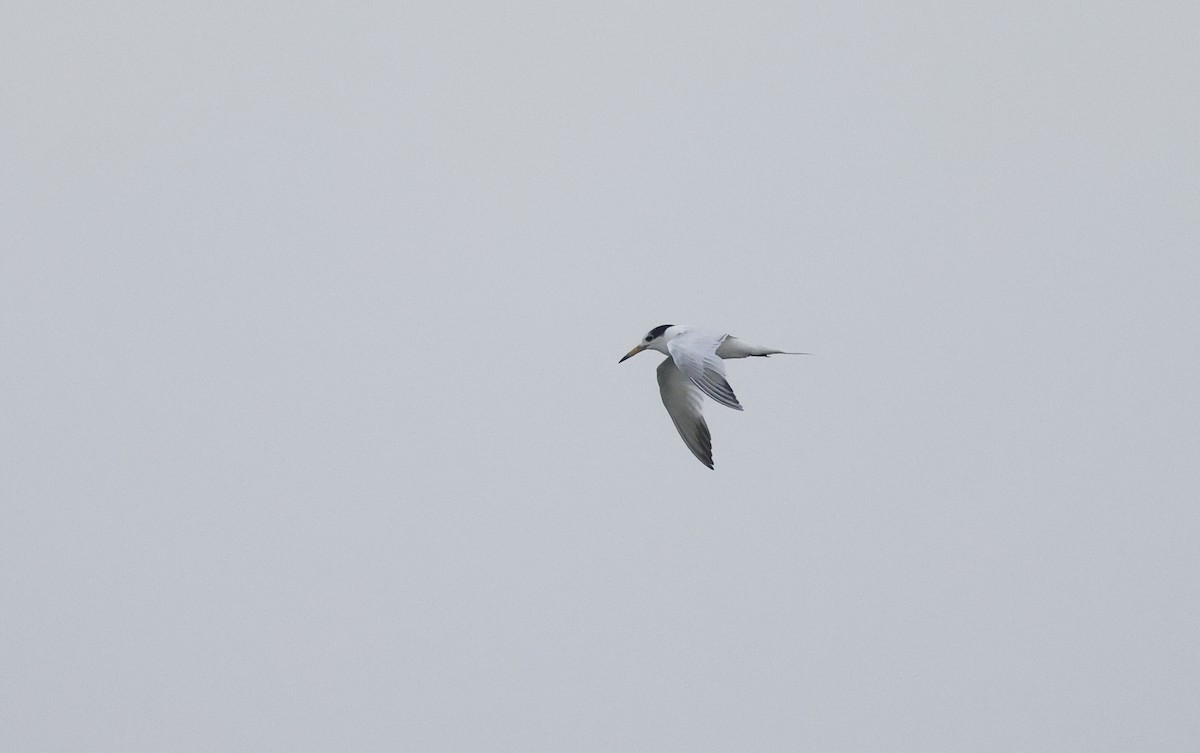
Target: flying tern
[693, 368]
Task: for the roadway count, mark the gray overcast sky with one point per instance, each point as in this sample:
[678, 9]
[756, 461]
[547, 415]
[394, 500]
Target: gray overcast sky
[314, 436]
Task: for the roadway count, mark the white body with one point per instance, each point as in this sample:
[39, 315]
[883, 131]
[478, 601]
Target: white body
[728, 345]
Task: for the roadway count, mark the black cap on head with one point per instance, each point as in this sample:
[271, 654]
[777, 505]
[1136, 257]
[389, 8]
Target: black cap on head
[659, 330]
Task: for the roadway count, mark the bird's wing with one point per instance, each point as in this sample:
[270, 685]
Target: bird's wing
[684, 402]
[695, 353]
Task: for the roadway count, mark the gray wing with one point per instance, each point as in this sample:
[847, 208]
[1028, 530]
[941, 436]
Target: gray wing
[695, 353]
[683, 402]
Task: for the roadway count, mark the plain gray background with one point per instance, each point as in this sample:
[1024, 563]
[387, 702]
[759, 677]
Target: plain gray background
[313, 435]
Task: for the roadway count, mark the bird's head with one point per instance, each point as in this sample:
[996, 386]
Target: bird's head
[655, 339]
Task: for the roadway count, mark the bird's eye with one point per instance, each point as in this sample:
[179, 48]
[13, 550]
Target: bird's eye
[649, 338]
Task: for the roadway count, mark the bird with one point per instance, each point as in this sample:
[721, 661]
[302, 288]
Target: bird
[693, 368]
